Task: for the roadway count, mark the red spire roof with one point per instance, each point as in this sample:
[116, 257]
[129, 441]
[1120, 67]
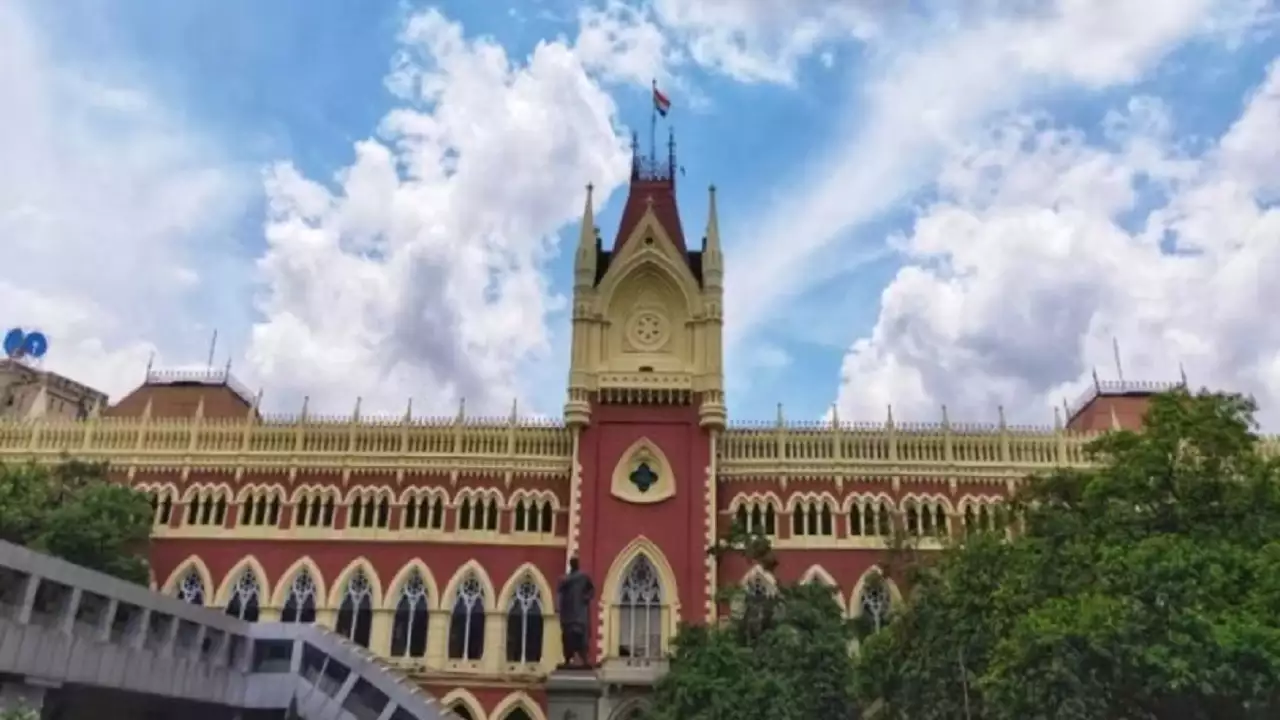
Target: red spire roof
[651, 181]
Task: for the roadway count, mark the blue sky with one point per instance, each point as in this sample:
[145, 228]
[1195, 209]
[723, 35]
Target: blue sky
[921, 207]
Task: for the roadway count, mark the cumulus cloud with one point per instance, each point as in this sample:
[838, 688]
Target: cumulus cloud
[418, 271]
[935, 90]
[114, 218]
[1031, 262]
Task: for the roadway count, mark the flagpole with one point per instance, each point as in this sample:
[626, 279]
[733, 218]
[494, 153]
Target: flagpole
[653, 128]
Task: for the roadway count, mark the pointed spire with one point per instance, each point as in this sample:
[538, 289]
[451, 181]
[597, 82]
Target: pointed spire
[408, 411]
[889, 417]
[584, 260]
[199, 413]
[1182, 373]
[782, 420]
[1115, 421]
[355, 412]
[1057, 419]
[1000, 413]
[835, 415]
[515, 410]
[462, 410]
[711, 243]
[306, 400]
[1097, 384]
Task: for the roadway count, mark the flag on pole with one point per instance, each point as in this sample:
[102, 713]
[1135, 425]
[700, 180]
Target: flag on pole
[661, 103]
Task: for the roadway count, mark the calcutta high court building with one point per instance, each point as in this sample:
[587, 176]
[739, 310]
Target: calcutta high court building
[437, 542]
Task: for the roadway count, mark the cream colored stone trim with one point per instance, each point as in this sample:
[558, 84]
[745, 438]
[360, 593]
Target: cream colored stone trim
[467, 568]
[285, 583]
[250, 563]
[339, 588]
[170, 586]
[855, 596]
[392, 596]
[517, 700]
[607, 626]
[710, 489]
[461, 696]
[643, 450]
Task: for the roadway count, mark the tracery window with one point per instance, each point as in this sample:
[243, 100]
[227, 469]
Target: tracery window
[640, 611]
[162, 502]
[315, 508]
[260, 507]
[191, 589]
[870, 517]
[424, 512]
[409, 630]
[874, 602]
[983, 517]
[812, 517]
[355, 614]
[369, 510]
[533, 515]
[758, 517]
[478, 513]
[208, 506]
[926, 518]
[524, 624]
[245, 595]
[466, 621]
[300, 604]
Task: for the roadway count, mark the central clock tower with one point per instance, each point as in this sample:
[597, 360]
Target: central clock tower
[646, 401]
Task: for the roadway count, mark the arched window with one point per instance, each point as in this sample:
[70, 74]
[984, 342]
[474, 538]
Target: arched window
[244, 597]
[874, 602]
[870, 517]
[314, 508]
[758, 517]
[466, 622]
[424, 512]
[355, 614]
[812, 517]
[300, 605]
[640, 611]
[191, 590]
[409, 631]
[524, 624]
[461, 711]
[926, 518]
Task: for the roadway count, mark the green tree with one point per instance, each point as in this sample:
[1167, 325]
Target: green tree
[781, 655]
[1144, 586]
[73, 511]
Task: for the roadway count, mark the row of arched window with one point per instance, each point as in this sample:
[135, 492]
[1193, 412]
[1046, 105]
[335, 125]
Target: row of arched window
[871, 516]
[478, 511]
[639, 611]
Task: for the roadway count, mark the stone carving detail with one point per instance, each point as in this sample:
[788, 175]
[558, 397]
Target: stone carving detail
[648, 329]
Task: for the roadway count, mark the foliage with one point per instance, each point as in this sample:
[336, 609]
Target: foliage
[780, 656]
[73, 511]
[1147, 586]
[19, 713]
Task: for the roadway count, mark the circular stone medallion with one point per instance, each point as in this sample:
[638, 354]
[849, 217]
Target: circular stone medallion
[647, 330]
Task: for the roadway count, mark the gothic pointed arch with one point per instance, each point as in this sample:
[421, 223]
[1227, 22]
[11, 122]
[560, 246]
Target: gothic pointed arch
[459, 575]
[819, 574]
[632, 709]
[403, 575]
[470, 596]
[640, 587]
[643, 474]
[512, 705]
[180, 581]
[874, 596]
[248, 563]
[360, 564]
[286, 583]
[410, 597]
[527, 601]
[461, 698]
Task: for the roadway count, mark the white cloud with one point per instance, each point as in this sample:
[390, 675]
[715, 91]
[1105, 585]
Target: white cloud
[1019, 278]
[110, 212]
[935, 90]
[420, 273]
[621, 43]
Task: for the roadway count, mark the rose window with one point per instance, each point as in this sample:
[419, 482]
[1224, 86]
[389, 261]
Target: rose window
[648, 329]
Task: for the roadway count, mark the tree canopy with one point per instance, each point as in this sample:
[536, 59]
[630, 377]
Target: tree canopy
[1144, 586]
[72, 511]
[782, 654]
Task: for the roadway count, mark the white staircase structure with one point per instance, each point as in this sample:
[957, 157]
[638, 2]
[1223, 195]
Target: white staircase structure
[75, 643]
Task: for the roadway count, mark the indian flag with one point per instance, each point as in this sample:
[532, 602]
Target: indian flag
[661, 103]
